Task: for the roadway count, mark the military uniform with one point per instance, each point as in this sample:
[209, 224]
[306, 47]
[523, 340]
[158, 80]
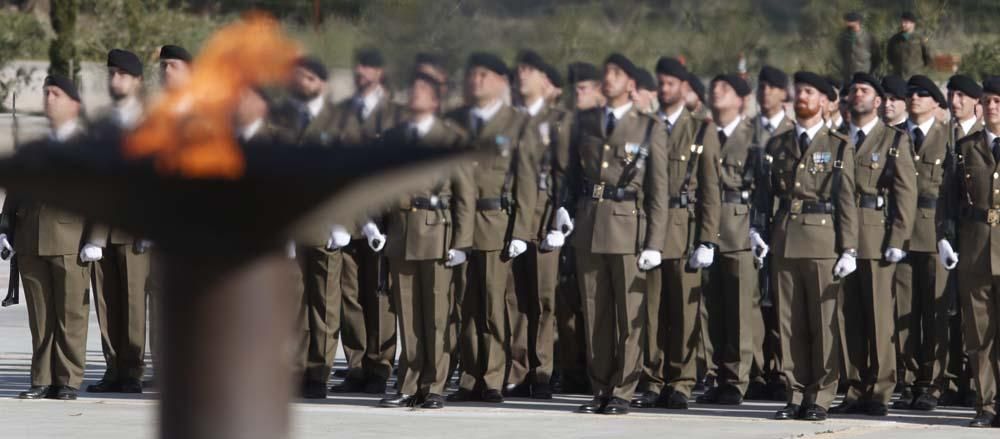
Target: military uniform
[908, 54]
[812, 226]
[616, 219]
[505, 190]
[858, 52]
[887, 197]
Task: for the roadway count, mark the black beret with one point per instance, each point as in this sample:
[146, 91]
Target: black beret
[624, 63]
[991, 85]
[697, 86]
[126, 61]
[553, 74]
[865, 78]
[421, 76]
[429, 58]
[965, 85]
[171, 51]
[488, 61]
[644, 80]
[315, 66]
[64, 84]
[531, 58]
[814, 80]
[894, 86]
[834, 92]
[369, 57]
[909, 16]
[740, 86]
[582, 71]
[773, 76]
[852, 16]
[923, 82]
[671, 67]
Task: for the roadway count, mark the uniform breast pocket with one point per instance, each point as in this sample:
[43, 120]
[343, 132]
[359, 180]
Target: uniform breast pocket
[741, 210]
[732, 170]
[931, 167]
[678, 160]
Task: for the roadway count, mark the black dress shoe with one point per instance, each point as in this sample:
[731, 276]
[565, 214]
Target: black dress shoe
[645, 400]
[314, 391]
[791, 411]
[877, 409]
[616, 406]
[905, 401]
[492, 396]
[62, 393]
[849, 407]
[814, 413]
[433, 401]
[34, 392]
[341, 373]
[672, 400]
[130, 385]
[756, 391]
[541, 391]
[983, 420]
[729, 395]
[925, 402]
[398, 400]
[709, 397]
[104, 386]
[595, 405]
[349, 385]
[375, 386]
[522, 390]
[463, 395]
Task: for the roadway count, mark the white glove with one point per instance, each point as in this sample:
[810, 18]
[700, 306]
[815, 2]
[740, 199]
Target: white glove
[5, 245]
[455, 258]
[516, 248]
[563, 222]
[290, 249]
[845, 266]
[702, 257]
[649, 259]
[894, 255]
[339, 238]
[376, 240]
[142, 246]
[555, 239]
[947, 255]
[91, 253]
[758, 247]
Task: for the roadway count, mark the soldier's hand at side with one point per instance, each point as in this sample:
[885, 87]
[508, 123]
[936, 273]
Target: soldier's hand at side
[455, 258]
[845, 266]
[649, 259]
[339, 238]
[758, 247]
[91, 253]
[516, 248]
[290, 251]
[376, 240]
[563, 222]
[947, 254]
[8, 250]
[894, 255]
[702, 257]
[554, 240]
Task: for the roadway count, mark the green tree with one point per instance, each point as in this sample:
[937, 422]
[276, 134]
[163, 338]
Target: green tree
[63, 57]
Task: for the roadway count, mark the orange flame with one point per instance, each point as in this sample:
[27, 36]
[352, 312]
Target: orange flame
[190, 132]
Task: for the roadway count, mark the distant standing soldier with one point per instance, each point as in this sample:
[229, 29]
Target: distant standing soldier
[859, 50]
[907, 50]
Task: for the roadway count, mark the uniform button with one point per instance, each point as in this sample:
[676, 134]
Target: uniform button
[802, 165]
[683, 158]
[797, 184]
[633, 212]
[996, 175]
[916, 157]
[604, 165]
[996, 191]
[607, 147]
[822, 221]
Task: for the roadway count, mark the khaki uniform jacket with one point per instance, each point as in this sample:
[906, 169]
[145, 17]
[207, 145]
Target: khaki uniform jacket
[420, 234]
[736, 173]
[908, 55]
[785, 125]
[351, 130]
[978, 182]
[704, 183]
[960, 133]
[900, 195]
[808, 177]
[507, 131]
[929, 161]
[618, 227]
[554, 126]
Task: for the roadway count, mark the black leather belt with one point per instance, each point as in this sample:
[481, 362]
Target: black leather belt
[603, 191]
[678, 202]
[871, 202]
[926, 202]
[424, 203]
[490, 204]
[988, 216]
[736, 197]
[796, 207]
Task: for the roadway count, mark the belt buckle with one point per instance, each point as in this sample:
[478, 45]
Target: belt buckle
[796, 207]
[993, 217]
[598, 192]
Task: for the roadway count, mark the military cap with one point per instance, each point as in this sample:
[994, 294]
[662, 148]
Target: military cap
[834, 92]
[697, 86]
[921, 82]
[671, 67]
[814, 80]
[126, 61]
[531, 58]
[908, 16]
[991, 85]
[488, 61]
[421, 76]
[894, 86]
[429, 58]
[644, 80]
[740, 86]
[865, 78]
[624, 63]
[171, 51]
[553, 74]
[64, 84]
[965, 85]
[582, 71]
[315, 66]
[852, 16]
[773, 76]
[369, 57]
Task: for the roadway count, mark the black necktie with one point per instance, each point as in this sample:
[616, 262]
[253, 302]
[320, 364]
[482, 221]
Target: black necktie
[612, 121]
[861, 139]
[412, 135]
[722, 138]
[918, 138]
[477, 125]
[769, 127]
[305, 117]
[996, 150]
[670, 127]
[803, 142]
